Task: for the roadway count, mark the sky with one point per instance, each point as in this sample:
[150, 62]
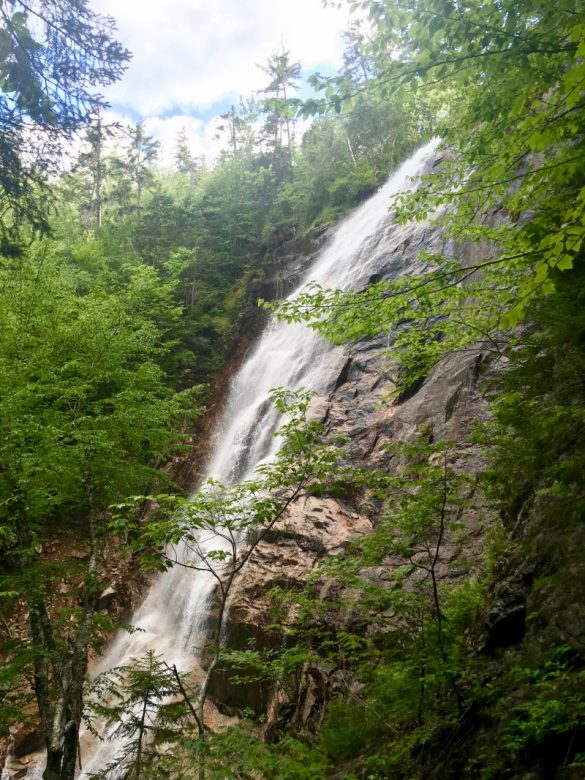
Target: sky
[193, 58]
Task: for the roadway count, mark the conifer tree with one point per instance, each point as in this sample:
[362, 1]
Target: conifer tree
[53, 55]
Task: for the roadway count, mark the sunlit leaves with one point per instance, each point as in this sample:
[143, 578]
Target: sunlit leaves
[217, 528]
[81, 388]
[511, 181]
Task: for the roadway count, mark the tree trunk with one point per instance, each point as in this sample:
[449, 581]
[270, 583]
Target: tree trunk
[61, 716]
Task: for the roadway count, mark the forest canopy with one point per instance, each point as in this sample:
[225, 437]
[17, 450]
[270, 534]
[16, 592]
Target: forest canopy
[125, 289]
[54, 55]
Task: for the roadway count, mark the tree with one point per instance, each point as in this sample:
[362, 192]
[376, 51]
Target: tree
[142, 151]
[130, 173]
[53, 53]
[84, 412]
[357, 63]
[219, 529]
[513, 73]
[119, 190]
[184, 160]
[147, 705]
[283, 75]
[234, 207]
[426, 501]
[92, 166]
[231, 125]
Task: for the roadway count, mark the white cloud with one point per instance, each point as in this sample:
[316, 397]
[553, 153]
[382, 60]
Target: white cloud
[190, 57]
[200, 137]
[190, 54]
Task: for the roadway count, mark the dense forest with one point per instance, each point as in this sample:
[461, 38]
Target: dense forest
[125, 288]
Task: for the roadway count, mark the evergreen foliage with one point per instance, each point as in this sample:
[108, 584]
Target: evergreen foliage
[53, 56]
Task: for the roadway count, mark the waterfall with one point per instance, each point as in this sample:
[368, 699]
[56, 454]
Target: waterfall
[171, 618]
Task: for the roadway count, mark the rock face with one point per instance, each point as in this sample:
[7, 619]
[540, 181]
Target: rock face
[536, 596]
[355, 404]
[445, 405]
[313, 528]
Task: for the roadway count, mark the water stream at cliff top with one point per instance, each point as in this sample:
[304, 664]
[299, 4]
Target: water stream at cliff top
[172, 617]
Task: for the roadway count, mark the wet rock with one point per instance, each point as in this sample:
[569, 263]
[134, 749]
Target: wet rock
[318, 409]
[343, 375]
[27, 743]
[355, 404]
[19, 768]
[505, 623]
[106, 597]
[28, 739]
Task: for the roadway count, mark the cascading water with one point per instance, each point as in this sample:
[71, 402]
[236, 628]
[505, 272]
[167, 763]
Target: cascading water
[171, 619]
